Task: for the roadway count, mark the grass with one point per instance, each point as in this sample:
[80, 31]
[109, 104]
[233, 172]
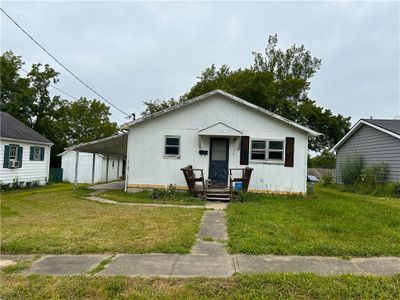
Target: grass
[18, 267]
[330, 223]
[388, 189]
[101, 266]
[56, 220]
[268, 286]
[182, 198]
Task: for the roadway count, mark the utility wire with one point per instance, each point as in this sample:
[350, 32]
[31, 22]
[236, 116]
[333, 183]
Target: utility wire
[73, 97]
[54, 87]
[61, 64]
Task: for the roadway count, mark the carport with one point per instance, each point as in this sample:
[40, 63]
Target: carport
[115, 145]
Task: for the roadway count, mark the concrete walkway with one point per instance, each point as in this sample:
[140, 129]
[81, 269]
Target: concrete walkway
[208, 205]
[208, 258]
[115, 185]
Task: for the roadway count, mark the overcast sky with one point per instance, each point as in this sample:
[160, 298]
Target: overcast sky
[135, 51]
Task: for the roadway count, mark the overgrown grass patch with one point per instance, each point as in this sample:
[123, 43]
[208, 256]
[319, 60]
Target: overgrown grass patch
[329, 223]
[267, 286]
[56, 220]
[182, 198]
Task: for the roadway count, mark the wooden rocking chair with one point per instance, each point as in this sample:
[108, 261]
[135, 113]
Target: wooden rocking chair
[245, 179]
[191, 180]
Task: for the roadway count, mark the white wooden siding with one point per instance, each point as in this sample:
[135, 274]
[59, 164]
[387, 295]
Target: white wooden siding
[148, 166]
[30, 170]
[375, 147]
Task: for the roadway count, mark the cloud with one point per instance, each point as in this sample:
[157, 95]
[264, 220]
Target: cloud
[134, 51]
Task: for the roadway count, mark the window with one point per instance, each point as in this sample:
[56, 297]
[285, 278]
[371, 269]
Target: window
[12, 155]
[172, 145]
[36, 153]
[113, 163]
[267, 150]
[258, 149]
[275, 150]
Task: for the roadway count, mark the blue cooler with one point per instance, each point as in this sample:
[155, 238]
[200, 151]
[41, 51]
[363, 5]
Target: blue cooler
[238, 186]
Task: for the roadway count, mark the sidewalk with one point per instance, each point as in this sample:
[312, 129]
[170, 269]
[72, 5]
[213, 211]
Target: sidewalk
[208, 258]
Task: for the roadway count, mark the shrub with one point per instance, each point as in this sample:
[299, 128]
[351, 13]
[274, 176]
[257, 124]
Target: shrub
[327, 179]
[168, 192]
[376, 173]
[352, 169]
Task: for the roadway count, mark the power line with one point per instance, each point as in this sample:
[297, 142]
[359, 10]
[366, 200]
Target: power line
[61, 64]
[73, 97]
[54, 87]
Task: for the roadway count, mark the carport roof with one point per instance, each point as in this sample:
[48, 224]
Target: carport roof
[113, 145]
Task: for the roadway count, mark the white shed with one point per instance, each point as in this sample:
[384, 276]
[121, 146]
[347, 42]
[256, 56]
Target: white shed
[216, 132]
[102, 173]
[24, 153]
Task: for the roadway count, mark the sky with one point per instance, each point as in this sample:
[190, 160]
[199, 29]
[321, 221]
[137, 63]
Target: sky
[130, 52]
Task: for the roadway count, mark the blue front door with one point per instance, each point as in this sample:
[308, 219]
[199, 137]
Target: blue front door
[219, 153]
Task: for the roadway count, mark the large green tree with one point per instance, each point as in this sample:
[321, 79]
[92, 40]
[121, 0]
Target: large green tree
[279, 81]
[86, 120]
[63, 122]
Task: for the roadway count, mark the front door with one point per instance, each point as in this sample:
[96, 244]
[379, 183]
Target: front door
[218, 172]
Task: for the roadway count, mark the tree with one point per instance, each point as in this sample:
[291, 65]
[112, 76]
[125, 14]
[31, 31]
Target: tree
[16, 94]
[278, 81]
[86, 120]
[326, 160]
[64, 123]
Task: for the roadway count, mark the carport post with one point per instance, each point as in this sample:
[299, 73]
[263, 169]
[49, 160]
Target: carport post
[108, 160]
[93, 166]
[76, 168]
[118, 168]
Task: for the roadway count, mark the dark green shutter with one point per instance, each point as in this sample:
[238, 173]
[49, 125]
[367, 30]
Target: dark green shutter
[20, 151]
[41, 153]
[6, 156]
[31, 154]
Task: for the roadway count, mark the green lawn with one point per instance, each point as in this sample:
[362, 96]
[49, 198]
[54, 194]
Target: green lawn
[269, 286]
[330, 223]
[182, 198]
[56, 219]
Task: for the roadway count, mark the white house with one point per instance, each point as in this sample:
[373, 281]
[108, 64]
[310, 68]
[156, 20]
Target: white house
[25, 154]
[102, 172]
[215, 132]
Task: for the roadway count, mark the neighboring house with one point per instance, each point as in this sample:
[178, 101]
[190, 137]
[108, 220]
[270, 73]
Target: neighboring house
[68, 158]
[215, 132]
[376, 140]
[25, 153]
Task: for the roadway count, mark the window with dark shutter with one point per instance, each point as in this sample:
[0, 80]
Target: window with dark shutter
[244, 150]
[36, 153]
[289, 152]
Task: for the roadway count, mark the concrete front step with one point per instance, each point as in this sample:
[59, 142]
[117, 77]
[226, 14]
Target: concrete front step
[218, 198]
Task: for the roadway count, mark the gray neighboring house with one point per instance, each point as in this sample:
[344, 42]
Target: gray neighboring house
[376, 140]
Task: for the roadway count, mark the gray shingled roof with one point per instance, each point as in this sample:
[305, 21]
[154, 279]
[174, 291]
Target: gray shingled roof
[11, 128]
[391, 125]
